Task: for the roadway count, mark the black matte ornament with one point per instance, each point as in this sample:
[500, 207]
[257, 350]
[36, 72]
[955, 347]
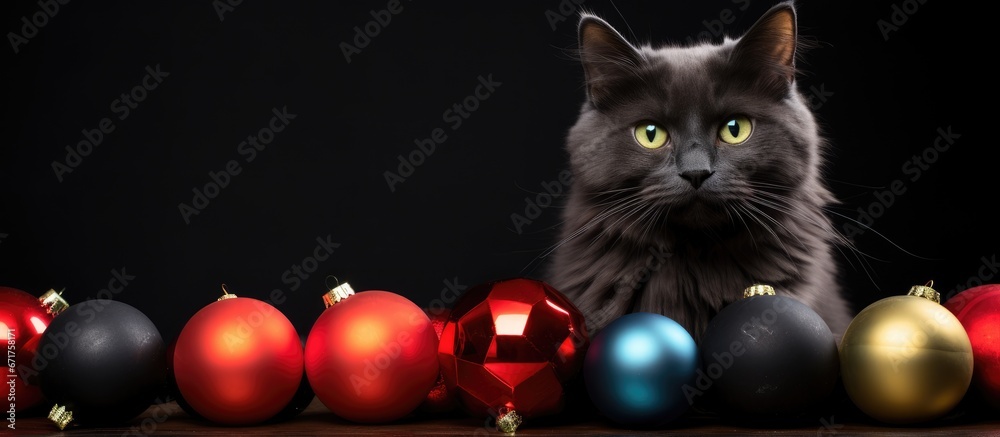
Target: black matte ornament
[768, 355]
[104, 363]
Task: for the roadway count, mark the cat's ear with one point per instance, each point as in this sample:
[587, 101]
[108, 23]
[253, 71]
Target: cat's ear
[769, 46]
[608, 59]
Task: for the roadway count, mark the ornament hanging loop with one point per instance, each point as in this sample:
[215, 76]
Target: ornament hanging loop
[331, 287]
[225, 293]
[337, 293]
[926, 292]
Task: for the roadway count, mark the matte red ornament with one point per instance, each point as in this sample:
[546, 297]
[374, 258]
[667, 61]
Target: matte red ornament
[440, 399]
[978, 309]
[23, 319]
[370, 357]
[238, 361]
[512, 345]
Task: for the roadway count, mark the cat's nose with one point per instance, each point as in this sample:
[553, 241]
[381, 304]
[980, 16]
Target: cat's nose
[696, 177]
[694, 163]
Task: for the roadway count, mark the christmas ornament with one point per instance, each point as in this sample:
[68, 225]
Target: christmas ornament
[172, 390]
[303, 396]
[978, 309]
[906, 359]
[638, 369]
[103, 362]
[370, 356]
[238, 361]
[439, 400]
[768, 355]
[23, 319]
[509, 347]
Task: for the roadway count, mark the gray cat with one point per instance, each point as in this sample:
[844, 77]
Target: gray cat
[697, 172]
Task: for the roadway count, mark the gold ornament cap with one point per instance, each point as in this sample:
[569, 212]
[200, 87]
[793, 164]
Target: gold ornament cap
[225, 294]
[337, 294]
[758, 290]
[53, 302]
[925, 291]
[508, 420]
[60, 416]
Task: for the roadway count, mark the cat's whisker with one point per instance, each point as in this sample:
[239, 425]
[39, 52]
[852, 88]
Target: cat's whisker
[634, 206]
[646, 211]
[750, 208]
[611, 210]
[736, 210]
[651, 224]
[782, 204]
[802, 245]
[829, 226]
[825, 224]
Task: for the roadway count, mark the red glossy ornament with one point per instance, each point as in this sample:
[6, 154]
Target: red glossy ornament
[978, 309]
[512, 345]
[238, 361]
[440, 399]
[370, 357]
[23, 319]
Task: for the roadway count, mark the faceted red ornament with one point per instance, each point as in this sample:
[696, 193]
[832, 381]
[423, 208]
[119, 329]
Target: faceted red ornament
[23, 319]
[440, 399]
[512, 345]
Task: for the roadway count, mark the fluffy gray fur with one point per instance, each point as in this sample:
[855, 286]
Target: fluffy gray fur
[640, 234]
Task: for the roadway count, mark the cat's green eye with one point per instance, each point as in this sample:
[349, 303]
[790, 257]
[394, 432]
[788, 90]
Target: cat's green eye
[735, 130]
[650, 136]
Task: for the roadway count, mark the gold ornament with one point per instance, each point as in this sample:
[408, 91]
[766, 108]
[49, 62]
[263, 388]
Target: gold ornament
[906, 359]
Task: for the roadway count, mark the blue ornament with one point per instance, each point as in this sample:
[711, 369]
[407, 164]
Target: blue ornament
[637, 367]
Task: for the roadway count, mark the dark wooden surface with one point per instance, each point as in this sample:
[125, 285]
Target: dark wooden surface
[169, 419]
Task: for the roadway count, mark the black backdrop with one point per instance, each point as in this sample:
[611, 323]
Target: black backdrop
[226, 69]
